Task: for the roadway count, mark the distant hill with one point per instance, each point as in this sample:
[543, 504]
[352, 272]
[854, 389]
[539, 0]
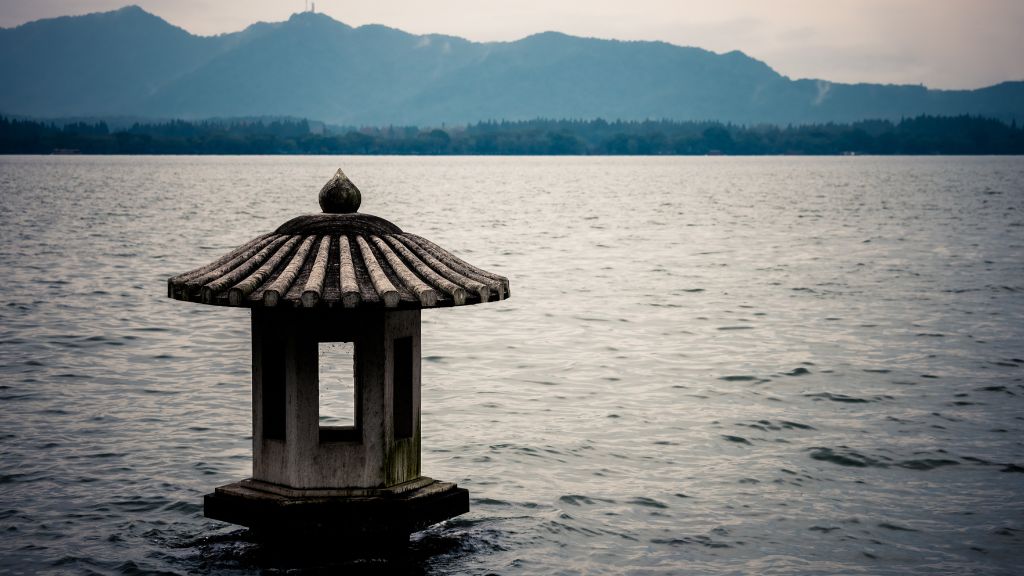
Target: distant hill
[131, 63]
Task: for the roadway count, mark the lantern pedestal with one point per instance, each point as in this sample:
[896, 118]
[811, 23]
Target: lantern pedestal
[374, 518]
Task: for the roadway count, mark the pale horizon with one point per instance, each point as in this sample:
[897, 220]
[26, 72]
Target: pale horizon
[945, 45]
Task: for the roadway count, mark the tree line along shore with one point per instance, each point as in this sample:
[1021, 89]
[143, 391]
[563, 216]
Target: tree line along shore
[918, 135]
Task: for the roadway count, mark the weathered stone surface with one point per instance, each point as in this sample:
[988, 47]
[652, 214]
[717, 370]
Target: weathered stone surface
[337, 277]
[363, 266]
[339, 259]
[340, 195]
[384, 515]
[291, 448]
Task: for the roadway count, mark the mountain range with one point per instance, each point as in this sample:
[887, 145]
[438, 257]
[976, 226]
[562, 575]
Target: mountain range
[129, 62]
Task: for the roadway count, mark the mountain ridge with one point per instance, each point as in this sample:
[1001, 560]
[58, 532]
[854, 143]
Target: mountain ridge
[129, 62]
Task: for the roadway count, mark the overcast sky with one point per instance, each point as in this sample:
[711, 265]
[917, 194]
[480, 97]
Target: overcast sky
[939, 43]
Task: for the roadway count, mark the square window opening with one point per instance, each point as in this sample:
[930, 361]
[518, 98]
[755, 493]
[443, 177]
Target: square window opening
[338, 396]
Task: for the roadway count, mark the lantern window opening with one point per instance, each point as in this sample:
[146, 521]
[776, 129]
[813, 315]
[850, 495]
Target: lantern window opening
[402, 388]
[274, 400]
[338, 403]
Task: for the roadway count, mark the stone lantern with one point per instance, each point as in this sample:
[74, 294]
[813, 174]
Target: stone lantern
[338, 276]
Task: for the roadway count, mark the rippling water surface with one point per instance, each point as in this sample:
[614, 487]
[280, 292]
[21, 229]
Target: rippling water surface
[708, 366]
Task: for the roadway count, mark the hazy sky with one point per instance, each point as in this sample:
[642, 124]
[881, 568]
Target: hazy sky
[939, 43]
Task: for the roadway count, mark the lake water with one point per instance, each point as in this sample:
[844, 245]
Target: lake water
[707, 366]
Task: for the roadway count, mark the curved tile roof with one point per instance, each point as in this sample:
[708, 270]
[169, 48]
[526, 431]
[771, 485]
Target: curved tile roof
[345, 260]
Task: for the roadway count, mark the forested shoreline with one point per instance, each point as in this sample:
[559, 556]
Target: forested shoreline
[919, 135]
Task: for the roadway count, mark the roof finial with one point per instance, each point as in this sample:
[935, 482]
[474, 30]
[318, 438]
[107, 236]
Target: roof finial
[339, 195]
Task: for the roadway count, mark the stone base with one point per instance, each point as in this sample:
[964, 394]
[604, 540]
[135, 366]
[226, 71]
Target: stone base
[368, 519]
